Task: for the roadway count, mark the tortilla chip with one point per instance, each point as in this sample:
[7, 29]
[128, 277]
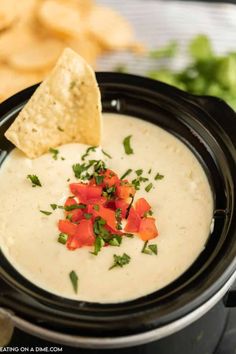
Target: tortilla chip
[8, 13]
[61, 18]
[13, 81]
[40, 55]
[65, 108]
[88, 48]
[110, 29]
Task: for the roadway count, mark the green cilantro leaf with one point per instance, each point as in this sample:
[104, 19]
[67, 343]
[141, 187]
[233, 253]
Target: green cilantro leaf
[120, 261]
[127, 147]
[34, 180]
[74, 280]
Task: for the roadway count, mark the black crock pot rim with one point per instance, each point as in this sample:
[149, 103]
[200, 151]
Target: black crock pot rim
[192, 99]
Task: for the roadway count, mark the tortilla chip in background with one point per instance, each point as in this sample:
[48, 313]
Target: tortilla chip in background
[63, 19]
[110, 29]
[13, 80]
[65, 108]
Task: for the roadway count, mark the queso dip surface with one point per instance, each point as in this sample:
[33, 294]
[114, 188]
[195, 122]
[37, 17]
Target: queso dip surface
[181, 202]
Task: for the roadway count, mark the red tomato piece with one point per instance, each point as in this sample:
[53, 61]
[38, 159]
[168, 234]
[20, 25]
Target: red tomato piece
[70, 201]
[83, 236]
[72, 243]
[111, 204]
[121, 204]
[108, 215]
[147, 229]
[67, 227]
[80, 190]
[85, 232]
[94, 192]
[76, 214]
[142, 206]
[133, 221]
[85, 192]
[110, 178]
[125, 191]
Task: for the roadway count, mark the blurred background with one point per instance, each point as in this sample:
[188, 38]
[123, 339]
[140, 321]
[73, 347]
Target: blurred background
[188, 44]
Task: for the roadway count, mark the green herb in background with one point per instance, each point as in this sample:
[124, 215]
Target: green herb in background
[168, 51]
[207, 73]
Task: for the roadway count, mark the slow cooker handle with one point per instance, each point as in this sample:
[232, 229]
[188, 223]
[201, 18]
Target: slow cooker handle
[220, 110]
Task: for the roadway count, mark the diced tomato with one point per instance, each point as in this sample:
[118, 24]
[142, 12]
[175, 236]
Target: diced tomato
[70, 201]
[83, 236]
[72, 243]
[114, 231]
[86, 192]
[110, 178]
[133, 221]
[85, 232]
[80, 190]
[108, 215]
[125, 191]
[67, 227]
[110, 204]
[142, 206]
[76, 214]
[147, 229]
[121, 204]
[94, 192]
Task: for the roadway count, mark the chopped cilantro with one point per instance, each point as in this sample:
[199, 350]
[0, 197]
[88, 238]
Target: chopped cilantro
[158, 176]
[118, 219]
[62, 238]
[115, 240]
[91, 148]
[54, 153]
[34, 180]
[87, 216]
[126, 173]
[74, 206]
[148, 187]
[148, 213]
[74, 280]
[127, 147]
[99, 179]
[149, 249]
[69, 217]
[128, 235]
[106, 154]
[81, 170]
[53, 206]
[99, 165]
[96, 207]
[149, 171]
[137, 182]
[45, 212]
[139, 172]
[109, 192]
[120, 261]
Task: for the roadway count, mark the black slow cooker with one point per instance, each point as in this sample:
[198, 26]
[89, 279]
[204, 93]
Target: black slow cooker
[208, 127]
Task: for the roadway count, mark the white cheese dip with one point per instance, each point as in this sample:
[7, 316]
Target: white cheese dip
[182, 204]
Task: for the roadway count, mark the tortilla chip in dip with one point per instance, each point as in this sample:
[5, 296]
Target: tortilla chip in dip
[65, 108]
